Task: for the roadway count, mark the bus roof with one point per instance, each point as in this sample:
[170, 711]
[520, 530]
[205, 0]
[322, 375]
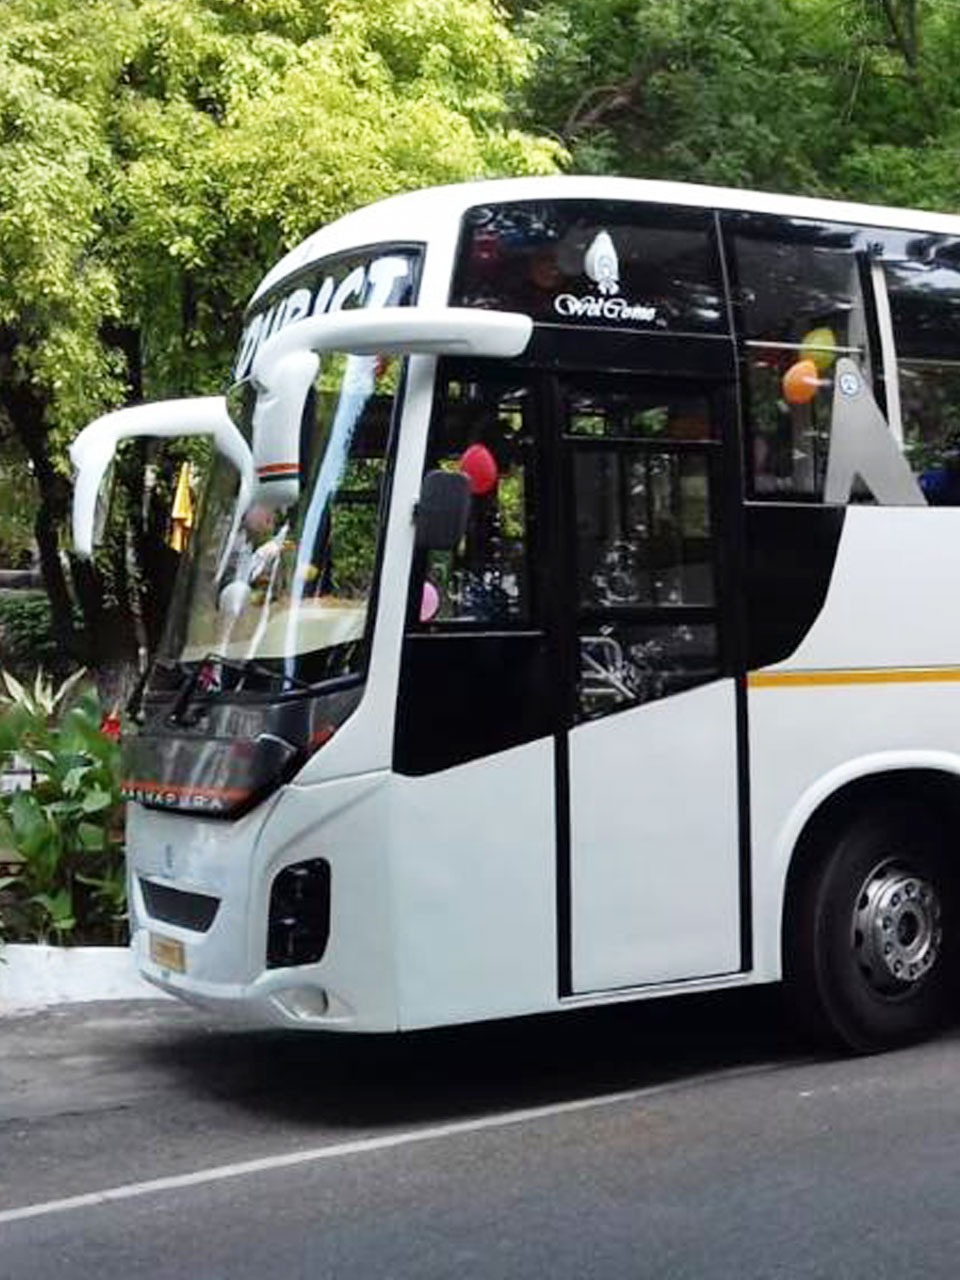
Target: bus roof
[412, 216]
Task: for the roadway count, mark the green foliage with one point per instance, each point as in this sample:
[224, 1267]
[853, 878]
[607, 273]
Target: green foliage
[26, 635]
[858, 100]
[65, 829]
[18, 507]
[156, 157]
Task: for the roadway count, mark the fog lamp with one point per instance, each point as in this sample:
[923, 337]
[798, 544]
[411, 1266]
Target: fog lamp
[303, 1003]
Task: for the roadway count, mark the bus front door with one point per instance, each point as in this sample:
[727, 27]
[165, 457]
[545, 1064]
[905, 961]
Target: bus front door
[651, 872]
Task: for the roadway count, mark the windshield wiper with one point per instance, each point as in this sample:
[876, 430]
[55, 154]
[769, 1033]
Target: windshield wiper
[244, 665]
[240, 665]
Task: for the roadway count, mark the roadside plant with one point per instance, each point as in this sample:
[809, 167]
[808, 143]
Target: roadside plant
[26, 633]
[64, 829]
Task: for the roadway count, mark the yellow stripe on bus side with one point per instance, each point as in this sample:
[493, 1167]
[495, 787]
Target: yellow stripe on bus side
[875, 675]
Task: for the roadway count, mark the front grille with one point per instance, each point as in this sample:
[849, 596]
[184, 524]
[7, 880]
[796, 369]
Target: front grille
[299, 923]
[175, 906]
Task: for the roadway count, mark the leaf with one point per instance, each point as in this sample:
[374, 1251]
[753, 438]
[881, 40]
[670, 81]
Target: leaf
[96, 800]
[92, 837]
[59, 909]
[31, 831]
[68, 686]
[110, 889]
[15, 688]
[43, 693]
[74, 777]
[63, 808]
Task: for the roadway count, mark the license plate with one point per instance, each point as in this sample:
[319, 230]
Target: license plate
[168, 953]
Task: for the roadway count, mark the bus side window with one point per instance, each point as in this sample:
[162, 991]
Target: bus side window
[925, 308]
[799, 302]
[483, 427]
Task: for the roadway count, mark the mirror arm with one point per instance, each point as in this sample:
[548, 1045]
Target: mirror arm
[93, 449]
[282, 385]
[465, 331]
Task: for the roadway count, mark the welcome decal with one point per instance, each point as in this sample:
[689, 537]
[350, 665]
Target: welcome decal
[601, 265]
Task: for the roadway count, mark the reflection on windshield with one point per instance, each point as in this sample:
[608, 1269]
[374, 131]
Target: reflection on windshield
[288, 581]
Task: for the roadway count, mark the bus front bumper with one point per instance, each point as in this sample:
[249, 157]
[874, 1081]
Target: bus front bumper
[200, 907]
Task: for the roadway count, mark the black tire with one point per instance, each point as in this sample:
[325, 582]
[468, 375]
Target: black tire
[877, 894]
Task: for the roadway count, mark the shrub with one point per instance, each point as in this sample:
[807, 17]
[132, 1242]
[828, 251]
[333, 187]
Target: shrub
[66, 828]
[26, 635]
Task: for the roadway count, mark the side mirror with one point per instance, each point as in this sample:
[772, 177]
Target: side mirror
[93, 450]
[443, 510]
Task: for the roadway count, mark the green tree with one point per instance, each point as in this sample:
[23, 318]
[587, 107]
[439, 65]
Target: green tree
[856, 99]
[155, 157]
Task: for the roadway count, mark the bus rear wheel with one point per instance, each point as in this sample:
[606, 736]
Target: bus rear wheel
[872, 939]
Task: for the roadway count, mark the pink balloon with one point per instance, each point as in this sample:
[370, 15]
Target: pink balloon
[480, 467]
[429, 602]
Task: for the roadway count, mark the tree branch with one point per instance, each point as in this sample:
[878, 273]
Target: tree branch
[904, 43]
[618, 96]
[906, 39]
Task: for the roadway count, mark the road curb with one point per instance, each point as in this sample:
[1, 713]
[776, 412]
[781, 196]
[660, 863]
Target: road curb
[33, 976]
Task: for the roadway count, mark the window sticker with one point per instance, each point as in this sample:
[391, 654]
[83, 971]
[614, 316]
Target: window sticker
[593, 263]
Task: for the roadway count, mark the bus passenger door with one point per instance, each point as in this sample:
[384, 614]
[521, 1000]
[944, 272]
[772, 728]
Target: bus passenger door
[651, 872]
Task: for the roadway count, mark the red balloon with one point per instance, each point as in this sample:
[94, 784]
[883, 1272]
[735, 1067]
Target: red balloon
[110, 726]
[480, 467]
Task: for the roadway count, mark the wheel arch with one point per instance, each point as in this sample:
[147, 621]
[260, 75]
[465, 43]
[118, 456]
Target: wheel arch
[931, 779]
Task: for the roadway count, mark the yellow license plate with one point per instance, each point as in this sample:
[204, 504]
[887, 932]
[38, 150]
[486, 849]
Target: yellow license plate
[168, 953]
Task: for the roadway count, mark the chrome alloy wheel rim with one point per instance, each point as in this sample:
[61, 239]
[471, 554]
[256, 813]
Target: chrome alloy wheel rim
[897, 935]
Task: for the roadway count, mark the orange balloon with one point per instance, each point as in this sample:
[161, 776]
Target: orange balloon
[801, 382]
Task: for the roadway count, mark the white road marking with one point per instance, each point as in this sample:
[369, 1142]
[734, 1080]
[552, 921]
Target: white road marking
[361, 1146]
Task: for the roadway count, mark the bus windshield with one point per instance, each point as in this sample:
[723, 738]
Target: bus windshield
[280, 592]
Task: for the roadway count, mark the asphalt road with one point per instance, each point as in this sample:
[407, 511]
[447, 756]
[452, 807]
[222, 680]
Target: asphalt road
[693, 1138]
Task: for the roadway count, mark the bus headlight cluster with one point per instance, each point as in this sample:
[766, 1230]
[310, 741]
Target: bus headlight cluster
[298, 925]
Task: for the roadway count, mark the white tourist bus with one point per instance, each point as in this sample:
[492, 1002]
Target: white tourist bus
[572, 616]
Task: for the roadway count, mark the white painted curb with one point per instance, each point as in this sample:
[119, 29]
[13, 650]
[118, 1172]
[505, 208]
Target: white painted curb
[35, 976]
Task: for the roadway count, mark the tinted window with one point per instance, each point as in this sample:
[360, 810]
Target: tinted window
[623, 664]
[483, 425]
[634, 409]
[924, 298]
[792, 276]
[798, 295]
[643, 527]
[598, 263]
[925, 306]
